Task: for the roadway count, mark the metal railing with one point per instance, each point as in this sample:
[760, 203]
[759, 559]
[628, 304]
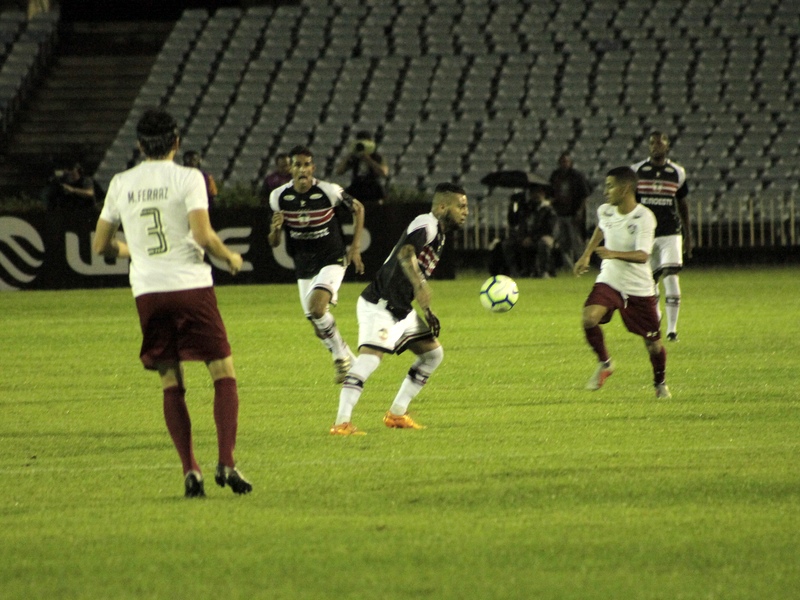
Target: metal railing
[754, 220]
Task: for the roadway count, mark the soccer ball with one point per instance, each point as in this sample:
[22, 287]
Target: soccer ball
[499, 293]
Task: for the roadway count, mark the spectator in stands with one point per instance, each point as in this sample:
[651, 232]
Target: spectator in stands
[368, 169]
[192, 159]
[533, 226]
[280, 176]
[70, 189]
[36, 7]
[570, 190]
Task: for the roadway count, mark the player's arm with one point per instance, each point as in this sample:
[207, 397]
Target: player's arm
[380, 168]
[407, 258]
[344, 164]
[582, 264]
[354, 252]
[632, 256]
[106, 243]
[85, 192]
[683, 212]
[207, 238]
[275, 229]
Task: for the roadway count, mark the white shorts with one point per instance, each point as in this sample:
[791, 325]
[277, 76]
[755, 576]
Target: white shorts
[667, 252]
[380, 329]
[329, 278]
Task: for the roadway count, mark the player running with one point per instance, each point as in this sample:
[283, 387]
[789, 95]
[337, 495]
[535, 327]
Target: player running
[163, 209]
[662, 188]
[387, 322]
[306, 208]
[625, 282]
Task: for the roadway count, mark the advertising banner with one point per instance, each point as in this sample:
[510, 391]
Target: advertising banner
[53, 250]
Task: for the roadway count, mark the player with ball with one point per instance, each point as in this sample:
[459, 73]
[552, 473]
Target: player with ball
[625, 282]
[387, 321]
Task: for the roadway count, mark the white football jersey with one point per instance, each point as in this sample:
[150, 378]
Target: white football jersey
[152, 202]
[627, 233]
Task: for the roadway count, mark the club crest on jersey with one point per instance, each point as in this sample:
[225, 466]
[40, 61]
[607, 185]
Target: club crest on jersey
[303, 219]
[383, 334]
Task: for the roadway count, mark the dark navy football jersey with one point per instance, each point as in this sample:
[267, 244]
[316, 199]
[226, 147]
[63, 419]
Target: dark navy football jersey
[314, 236]
[659, 189]
[391, 283]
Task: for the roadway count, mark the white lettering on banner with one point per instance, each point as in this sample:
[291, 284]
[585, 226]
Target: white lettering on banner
[234, 233]
[365, 237]
[12, 230]
[282, 257]
[97, 264]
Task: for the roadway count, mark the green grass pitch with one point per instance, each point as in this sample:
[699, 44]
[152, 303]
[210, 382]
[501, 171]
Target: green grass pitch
[524, 485]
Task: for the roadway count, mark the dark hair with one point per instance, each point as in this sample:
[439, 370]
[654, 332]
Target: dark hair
[156, 132]
[300, 151]
[447, 187]
[282, 155]
[190, 155]
[624, 175]
[658, 133]
[363, 135]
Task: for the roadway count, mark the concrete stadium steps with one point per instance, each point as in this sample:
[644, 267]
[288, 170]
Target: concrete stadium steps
[77, 109]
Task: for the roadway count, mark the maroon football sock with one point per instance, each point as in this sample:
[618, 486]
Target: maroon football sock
[226, 416]
[659, 362]
[594, 335]
[179, 425]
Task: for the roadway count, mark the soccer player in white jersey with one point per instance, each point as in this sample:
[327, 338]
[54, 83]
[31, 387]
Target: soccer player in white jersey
[163, 210]
[306, 208]
[662, 188]
[387, 321]
[625, 282]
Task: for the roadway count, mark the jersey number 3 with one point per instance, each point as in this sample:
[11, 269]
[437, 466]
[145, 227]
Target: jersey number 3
[156, 230]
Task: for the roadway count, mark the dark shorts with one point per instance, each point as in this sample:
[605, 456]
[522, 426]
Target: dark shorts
[639, 313]
[181, 326]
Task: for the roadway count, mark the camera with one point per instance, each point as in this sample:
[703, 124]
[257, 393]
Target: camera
[363, 147]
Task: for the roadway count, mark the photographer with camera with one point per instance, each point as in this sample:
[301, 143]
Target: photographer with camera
[368, 169]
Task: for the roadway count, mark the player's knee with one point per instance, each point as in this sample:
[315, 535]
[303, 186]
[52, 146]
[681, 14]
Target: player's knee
[672, 287]
[654, 347]
[432, 358]
[590, 319]
[222, 369]
[317, 311]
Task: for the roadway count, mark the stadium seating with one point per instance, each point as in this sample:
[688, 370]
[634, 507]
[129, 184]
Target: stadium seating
[25, 48]
[457, 88]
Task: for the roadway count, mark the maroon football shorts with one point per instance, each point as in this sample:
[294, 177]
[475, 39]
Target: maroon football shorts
[181, 326]
[639, 313]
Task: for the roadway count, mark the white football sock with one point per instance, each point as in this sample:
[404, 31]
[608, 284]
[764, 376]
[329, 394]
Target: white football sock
[353, 385]
[417, 377]
[672, 301]
[330, 336]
